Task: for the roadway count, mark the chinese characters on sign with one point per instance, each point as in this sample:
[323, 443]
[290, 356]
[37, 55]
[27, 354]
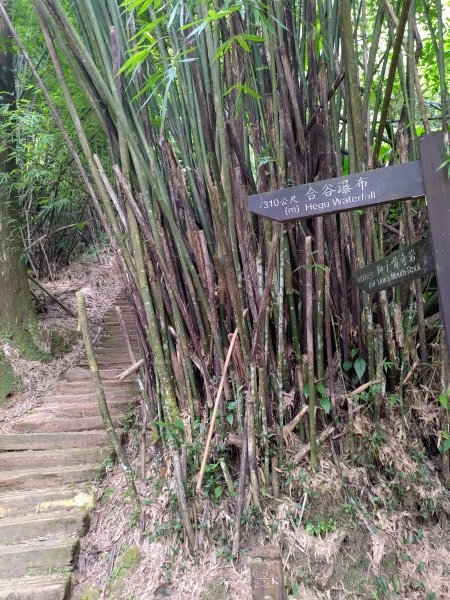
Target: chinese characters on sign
[407, 263]
[343, 193]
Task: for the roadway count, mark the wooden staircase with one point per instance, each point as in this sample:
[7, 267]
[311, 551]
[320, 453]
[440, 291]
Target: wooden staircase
[50, 467]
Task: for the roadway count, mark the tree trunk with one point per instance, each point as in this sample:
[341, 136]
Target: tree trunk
[17, 318]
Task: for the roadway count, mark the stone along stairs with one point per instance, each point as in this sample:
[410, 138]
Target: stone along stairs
[49, 467]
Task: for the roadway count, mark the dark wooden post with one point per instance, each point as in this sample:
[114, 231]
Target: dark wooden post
[437, 191]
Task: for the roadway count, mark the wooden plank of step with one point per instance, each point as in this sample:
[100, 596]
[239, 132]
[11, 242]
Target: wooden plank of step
[47, 477]
[45, 501]
[113, 351]
[130, 390]
[29, 459]
[47, 441]
[52, 424]
[37, 558]
[108, 374]
[117, 407]
[15, 530]
[89, 397]
[44, 587]
[111, 387]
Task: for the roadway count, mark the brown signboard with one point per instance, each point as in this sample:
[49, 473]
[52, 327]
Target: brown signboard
[407, 263]
[349, 192]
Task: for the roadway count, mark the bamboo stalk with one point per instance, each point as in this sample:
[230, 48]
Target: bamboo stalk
[310, 355]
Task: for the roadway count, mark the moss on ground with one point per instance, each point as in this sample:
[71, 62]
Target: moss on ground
[9, 381]
[124, 568]
[91, 593]
[81, 500]
[217, 590]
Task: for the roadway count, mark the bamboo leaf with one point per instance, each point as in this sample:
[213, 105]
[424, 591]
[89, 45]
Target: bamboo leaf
[360, 367]
[325, 404]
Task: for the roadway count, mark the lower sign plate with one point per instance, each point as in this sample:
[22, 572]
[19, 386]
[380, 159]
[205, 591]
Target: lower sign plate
[410, 262]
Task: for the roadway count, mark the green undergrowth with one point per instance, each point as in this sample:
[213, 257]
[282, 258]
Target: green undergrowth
[364, 526]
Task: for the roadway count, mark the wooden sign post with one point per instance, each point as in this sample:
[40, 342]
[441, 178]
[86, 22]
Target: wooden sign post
[437, 190]
[380, 186]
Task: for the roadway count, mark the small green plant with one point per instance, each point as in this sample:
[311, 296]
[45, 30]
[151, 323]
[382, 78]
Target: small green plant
[321, 527]
[356, 367]
[231, 412]
[107, 493]
[322, 396]
[173, 430]
[444, 445]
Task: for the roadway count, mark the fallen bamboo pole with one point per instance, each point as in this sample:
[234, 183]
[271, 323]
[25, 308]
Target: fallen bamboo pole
[215, 410]
[54, 298]
[306, 448]
[137, 365]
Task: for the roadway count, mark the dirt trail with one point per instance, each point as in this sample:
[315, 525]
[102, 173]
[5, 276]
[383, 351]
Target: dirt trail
[49, 468]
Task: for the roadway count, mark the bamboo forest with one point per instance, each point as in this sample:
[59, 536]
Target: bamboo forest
[224, 299]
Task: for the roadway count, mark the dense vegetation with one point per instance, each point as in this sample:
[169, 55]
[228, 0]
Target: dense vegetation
[171, 114]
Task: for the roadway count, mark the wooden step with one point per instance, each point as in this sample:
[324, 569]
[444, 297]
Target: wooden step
[111, 387]
[37, 558]
[108, 362]
[108, 374]
[114, 335]
[48, 477]
[51, 424]
[89, 398]
[115, 351]
[29, 459]
[68, 499]
[44, 587]
[32, 527]
[128, 317]
[47, 441]
[84, 409]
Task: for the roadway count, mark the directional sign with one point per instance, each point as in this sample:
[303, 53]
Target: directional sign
[348, 192]
[423, 177]
[407, 263]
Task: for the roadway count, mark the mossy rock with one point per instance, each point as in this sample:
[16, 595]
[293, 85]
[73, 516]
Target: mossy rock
[9, 381]
[61, 343]
[91, 593]
[125, 566]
